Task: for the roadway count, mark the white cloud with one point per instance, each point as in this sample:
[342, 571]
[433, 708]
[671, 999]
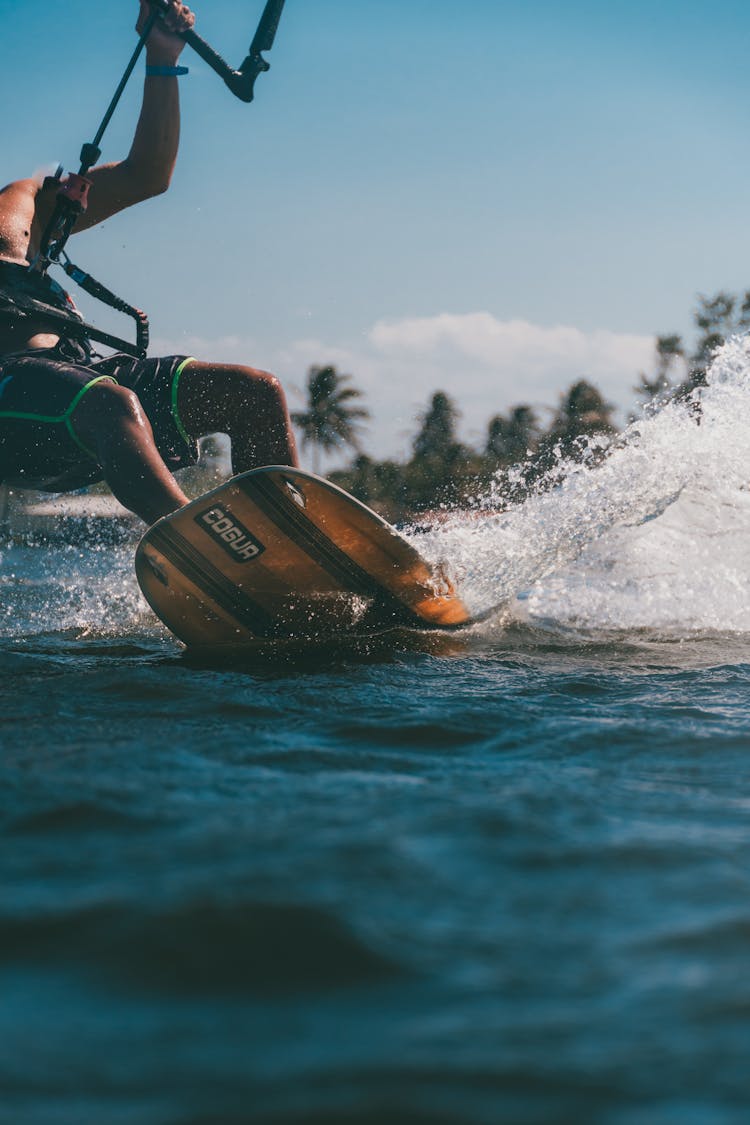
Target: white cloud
[486, 364]
[537, 356]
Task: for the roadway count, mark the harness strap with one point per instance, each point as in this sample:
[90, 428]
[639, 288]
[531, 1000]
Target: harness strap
[27, 296]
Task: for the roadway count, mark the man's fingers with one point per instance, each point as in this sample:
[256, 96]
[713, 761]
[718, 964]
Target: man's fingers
[177, 19]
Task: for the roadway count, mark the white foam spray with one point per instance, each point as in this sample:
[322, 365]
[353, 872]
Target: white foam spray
[657, 535]
[89, 591]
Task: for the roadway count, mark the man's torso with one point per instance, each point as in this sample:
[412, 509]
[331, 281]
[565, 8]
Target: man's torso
[20, 234]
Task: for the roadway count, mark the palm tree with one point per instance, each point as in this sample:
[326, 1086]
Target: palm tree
[440, 463]
[437, 434]
[582, 413]
[511, 439]
[330, 420]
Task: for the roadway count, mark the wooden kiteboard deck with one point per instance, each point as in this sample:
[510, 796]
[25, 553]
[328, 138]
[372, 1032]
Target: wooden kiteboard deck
[278, 553]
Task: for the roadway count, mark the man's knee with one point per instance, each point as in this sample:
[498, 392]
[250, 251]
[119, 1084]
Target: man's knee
[251, 381]
[265, 384]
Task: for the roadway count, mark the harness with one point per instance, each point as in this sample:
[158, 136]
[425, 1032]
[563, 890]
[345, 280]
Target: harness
[27, 294]
[23, 293]
[33, 298]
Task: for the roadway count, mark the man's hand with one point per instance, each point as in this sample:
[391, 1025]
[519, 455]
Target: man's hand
[164, 43]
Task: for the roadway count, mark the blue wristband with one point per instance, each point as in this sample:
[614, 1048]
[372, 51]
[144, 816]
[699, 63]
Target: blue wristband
[165, 71]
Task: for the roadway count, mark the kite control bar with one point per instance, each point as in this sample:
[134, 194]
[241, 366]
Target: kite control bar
[242, 81]
[72, 195]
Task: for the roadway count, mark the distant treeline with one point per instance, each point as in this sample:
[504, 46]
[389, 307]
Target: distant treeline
[519, 452]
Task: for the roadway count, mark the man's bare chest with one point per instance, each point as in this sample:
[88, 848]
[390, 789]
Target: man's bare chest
[16, 225]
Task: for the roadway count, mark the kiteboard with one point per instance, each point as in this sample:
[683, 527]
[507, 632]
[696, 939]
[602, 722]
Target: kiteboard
[280, 554]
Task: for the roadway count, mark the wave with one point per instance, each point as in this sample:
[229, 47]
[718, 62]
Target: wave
[200, 946]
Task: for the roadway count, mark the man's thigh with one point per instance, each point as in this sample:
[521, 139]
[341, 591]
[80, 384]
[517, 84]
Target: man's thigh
[39, 447]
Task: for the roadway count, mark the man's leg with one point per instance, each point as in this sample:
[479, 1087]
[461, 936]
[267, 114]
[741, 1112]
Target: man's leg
[248, 405]
[109, 420]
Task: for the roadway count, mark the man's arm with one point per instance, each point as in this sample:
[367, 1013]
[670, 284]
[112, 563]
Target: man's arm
[147, 169]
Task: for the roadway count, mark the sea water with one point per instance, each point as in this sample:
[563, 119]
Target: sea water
[499, 877]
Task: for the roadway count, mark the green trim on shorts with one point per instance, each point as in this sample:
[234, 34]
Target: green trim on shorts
[175, 412]
[65, 418]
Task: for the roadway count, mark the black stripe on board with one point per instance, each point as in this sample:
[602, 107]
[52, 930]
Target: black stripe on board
[182, 554]
[293, 522]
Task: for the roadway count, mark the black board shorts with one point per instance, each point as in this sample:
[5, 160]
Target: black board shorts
[39, 392]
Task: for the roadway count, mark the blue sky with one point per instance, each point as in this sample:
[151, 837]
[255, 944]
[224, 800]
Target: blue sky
[487, 198]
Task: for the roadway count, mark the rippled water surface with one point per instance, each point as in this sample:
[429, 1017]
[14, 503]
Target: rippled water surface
[498, 877]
